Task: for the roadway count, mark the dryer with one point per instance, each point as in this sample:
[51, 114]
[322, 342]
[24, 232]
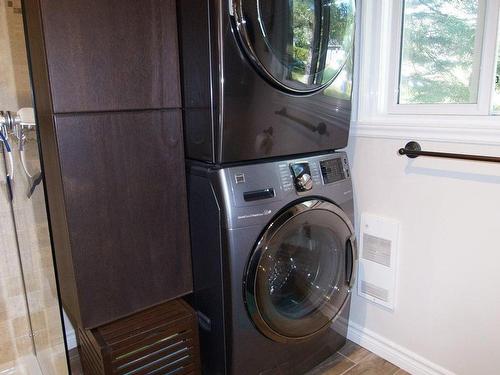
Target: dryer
[265, 78]
[274, 260]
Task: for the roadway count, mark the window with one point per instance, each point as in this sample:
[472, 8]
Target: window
[496, 95]
[425, 58]
[441, 51]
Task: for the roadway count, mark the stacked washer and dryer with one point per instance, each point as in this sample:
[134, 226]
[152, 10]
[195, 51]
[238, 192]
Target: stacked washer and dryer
[267, 102]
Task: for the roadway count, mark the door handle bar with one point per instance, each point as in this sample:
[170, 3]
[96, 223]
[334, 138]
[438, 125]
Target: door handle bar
[352, 255]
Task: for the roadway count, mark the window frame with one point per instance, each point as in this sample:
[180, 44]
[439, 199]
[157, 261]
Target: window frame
[485, 67]
[379, 68]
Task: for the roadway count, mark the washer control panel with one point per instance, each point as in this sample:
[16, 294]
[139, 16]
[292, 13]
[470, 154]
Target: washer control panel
[303, 175]
[332, 170]
[300, 176]
[285, 177]
[258, 191]
[264, 183]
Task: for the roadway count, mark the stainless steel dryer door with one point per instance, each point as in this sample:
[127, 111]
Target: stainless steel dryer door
[299, 46]
[299, 276]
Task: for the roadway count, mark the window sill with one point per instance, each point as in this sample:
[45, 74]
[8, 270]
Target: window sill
[483, 130]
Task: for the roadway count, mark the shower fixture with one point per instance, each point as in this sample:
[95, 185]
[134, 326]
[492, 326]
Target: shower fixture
[9, 173]
[17, 124]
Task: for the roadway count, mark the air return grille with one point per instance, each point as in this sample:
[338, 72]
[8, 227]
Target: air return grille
[374, 291]
[377, 249]
[377, 277]
[160, 340]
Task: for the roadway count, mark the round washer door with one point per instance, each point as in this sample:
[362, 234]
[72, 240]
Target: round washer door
[299, 275]
[299, 46]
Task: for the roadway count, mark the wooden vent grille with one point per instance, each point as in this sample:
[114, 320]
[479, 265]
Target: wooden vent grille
[160, 340]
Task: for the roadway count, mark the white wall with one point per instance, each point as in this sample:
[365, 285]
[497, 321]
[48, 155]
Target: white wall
[447, 317]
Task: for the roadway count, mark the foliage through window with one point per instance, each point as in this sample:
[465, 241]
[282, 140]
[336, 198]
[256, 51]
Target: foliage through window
[440, 52]
[496, 95]
[322, 35]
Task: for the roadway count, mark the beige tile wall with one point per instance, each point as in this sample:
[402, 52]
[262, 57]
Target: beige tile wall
[15, 340]
[36, 256]
[15, 89]
[31, 224]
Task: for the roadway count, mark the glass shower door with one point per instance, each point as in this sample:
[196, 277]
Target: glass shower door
[31, 330]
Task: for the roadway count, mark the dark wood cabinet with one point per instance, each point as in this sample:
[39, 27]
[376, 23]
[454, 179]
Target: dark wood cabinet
[111, 55]
[106, 85]
[125, 195]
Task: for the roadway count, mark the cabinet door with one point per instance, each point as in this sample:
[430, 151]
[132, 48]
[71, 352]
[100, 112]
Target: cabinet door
[123, 180]
[111, 55]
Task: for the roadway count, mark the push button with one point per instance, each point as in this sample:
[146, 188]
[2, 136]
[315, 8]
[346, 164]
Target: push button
[239, 178]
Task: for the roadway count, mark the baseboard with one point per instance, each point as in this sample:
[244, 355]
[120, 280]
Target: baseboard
[392, 352]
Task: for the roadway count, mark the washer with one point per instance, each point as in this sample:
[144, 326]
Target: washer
[265, 79]
[274, 259]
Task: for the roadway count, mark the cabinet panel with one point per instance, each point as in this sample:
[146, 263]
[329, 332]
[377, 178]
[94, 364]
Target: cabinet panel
[111, 55]
[124, 188]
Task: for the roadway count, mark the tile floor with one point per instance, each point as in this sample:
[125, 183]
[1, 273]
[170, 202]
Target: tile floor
[350, 360]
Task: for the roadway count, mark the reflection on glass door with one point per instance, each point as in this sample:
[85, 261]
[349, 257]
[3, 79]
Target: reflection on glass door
[31, 333]
[297, 280]
[299, 45]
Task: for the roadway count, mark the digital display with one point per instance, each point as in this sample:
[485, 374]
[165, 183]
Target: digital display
[332, 170]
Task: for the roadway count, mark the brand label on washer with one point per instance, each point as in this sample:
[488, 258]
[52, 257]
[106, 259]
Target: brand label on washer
[259, 214]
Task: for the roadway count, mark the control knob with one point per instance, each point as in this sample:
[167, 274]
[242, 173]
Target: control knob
[304, 182]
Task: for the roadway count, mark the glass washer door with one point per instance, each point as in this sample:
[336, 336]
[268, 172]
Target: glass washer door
[298, 277]
[299, 46]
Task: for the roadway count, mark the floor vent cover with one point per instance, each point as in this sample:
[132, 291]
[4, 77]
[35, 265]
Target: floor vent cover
[160, 340]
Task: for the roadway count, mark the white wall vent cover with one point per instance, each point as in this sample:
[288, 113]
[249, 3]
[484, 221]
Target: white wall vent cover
[378, 246]
[374, 291]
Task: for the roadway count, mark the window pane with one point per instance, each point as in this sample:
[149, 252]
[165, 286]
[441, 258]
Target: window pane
[441, 52]
[496, 94]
